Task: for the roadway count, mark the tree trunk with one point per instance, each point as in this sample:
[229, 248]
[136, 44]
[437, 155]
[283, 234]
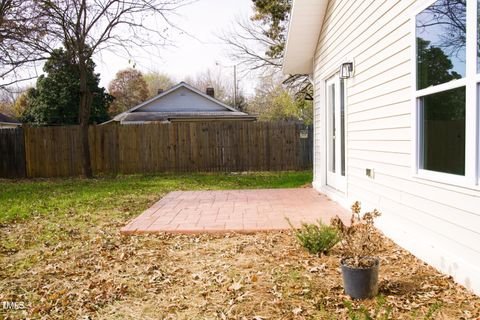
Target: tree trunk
[84, 117]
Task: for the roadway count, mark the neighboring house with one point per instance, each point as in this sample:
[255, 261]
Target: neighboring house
[8, 123]
[401, 131]
[181, 103]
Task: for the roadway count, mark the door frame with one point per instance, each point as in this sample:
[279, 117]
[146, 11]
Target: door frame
[334, 134]
[320, 155]
[334, 179]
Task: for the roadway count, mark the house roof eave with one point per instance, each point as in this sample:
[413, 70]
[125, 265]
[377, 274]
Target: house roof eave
[306, 21]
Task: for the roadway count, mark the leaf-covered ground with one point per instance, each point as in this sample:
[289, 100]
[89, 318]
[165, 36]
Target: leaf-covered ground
[62, 255]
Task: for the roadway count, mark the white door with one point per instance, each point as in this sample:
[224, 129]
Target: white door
[335, 104]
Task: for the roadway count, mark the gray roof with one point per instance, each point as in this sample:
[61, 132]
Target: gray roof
[6, 119]
[165, 116]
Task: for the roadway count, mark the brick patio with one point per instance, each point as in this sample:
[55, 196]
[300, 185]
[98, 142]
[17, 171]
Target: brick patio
[235, 211]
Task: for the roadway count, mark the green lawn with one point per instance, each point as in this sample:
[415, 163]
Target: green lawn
[124, 195]
[54, 209]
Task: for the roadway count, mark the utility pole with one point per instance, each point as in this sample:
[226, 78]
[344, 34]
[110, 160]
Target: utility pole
[234, 82]
[235, 86]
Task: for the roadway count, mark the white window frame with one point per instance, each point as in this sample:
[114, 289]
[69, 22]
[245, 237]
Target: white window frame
[471, 179]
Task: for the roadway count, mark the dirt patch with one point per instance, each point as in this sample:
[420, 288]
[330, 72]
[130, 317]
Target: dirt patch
[103, 275]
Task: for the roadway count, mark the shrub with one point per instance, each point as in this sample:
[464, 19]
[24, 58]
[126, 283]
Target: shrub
[316, 238]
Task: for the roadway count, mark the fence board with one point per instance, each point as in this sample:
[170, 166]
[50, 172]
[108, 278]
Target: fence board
[175, 147]
[12, 153]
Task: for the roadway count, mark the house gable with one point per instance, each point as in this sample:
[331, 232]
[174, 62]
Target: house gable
[181, 103]
[183, 99]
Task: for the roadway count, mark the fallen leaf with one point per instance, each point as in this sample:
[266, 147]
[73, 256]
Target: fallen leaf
[235, 286]
[297, 311]
[196, 276]
[318, 268]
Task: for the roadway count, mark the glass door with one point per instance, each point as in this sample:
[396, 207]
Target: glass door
[335, 125]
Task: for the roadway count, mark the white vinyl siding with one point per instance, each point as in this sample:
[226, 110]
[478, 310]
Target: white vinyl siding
[438, 222]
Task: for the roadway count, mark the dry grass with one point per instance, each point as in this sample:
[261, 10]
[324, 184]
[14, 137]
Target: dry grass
[91, 271]
[104, 275]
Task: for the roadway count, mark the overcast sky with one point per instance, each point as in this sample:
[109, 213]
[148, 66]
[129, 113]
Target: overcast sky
[195, 51]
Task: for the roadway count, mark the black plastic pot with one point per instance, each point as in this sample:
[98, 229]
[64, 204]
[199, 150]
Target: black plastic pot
[360, 283]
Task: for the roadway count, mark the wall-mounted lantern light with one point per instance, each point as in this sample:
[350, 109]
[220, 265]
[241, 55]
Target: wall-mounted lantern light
[346, 70]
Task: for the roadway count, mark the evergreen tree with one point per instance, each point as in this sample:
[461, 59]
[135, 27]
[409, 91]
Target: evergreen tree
[56, 97]
[274, 15]
[434, 67]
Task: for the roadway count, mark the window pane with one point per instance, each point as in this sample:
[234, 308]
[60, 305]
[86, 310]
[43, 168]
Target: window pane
[332, 129]
[440, 32]
[444, 131]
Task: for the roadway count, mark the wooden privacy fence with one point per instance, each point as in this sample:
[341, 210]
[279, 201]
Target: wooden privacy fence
[12, 153]
[174, 147]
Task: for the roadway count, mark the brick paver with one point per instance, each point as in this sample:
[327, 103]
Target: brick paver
[235, 211]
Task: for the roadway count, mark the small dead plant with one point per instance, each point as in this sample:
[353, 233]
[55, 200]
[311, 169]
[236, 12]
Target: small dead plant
[360, 241]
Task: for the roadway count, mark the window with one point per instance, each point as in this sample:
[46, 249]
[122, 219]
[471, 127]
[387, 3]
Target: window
[446, 97]
[440, 47]
[443, 131]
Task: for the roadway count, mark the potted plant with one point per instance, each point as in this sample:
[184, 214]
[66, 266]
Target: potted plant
[359, 264]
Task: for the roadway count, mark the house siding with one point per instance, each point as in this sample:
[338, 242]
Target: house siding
[437, 222]
[181, 100]
[8, 126]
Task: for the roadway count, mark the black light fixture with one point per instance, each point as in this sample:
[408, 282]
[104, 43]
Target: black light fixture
[346, 70]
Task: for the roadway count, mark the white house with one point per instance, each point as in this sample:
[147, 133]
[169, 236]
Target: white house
[401, 131]
[181, 102]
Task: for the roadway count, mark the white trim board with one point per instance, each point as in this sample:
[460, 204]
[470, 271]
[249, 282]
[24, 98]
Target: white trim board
[303, 31]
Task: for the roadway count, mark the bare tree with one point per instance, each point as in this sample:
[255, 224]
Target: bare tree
[259, 43]
[86, 27]
[251, 44]
[223, 84]
[274, 102]
[157, 81]
[7, 102]
[449, 16]
[23, 40]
